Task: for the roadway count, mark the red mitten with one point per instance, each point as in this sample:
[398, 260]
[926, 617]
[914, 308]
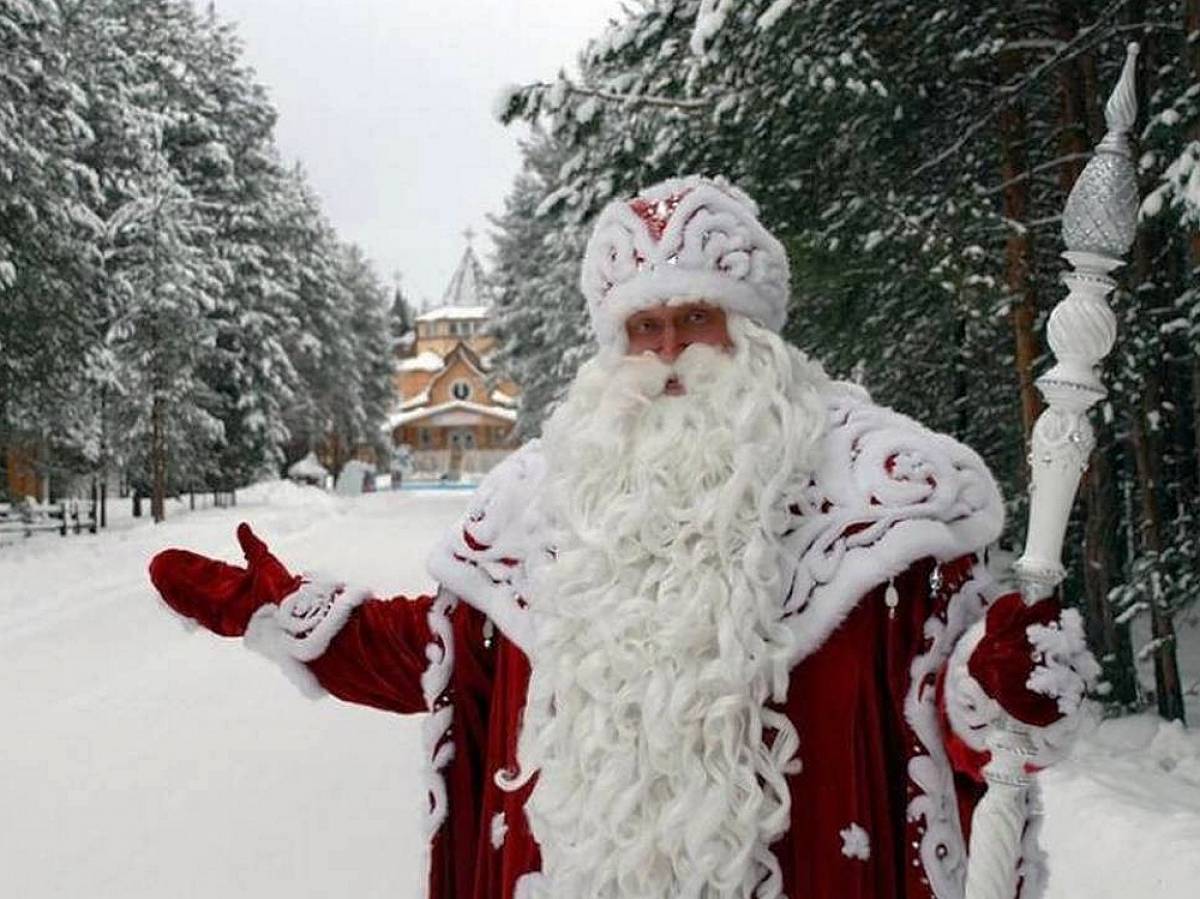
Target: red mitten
[220, 596]
[1032, 660]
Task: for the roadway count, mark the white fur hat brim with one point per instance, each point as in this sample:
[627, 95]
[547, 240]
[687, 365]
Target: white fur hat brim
[686, 239]
[674, 286]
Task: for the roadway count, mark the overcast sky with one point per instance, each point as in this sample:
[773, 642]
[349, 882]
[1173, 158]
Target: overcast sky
[388, 105]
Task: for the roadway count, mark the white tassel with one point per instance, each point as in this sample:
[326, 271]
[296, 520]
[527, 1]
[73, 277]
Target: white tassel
[892, 598]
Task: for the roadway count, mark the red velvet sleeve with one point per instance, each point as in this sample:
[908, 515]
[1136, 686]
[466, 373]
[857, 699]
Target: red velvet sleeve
[379, 655]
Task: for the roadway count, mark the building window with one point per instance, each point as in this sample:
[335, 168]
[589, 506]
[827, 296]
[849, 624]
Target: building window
[462, 439]
[460, 390]
[425, 437]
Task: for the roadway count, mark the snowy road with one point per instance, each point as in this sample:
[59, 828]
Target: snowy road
[143, 760]
[140, 761]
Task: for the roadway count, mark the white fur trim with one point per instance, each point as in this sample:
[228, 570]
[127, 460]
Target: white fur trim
[960, 513]
[943, 851]
[530, 886]
[711, 247]
[971, 712]
[502, 519]
[301, 627]
[435, 683]
[904, 491]
[969, 709]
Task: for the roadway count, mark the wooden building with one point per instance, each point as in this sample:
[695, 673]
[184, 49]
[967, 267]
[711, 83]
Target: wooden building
[452, 412]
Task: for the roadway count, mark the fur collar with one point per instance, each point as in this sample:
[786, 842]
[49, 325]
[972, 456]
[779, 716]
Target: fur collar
[887, 492]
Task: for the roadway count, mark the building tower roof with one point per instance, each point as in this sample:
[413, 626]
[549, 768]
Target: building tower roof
[466, 287]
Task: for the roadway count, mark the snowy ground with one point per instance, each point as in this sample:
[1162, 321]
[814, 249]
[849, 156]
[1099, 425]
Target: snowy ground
[139, 760]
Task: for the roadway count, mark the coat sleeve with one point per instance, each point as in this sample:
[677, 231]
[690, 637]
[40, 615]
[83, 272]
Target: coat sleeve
[348, 643]
[379, 655]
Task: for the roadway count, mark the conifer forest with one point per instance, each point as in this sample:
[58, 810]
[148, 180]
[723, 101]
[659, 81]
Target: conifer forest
[915, 158]
[177, 311]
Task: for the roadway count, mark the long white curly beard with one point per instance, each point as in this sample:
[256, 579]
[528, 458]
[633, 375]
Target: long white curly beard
[660, 768]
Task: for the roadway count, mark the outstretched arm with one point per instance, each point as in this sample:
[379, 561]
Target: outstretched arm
[352, 645]
[327, 637]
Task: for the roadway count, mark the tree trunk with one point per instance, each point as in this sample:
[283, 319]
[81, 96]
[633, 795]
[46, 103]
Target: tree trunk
[1167, 686]
[1144, 435]
[1101, 562]
[158, 436]
[158, 460]
[1074, 139]
[1018, 255]
[1191, 27]
[1196, 407]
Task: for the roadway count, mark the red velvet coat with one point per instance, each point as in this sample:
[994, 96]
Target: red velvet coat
[878, 810]
[895, 674]
[847, 702]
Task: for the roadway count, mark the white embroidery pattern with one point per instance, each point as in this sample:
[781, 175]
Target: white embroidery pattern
[856, 843]
[301, 627]
[486, 559]
[906, 493]
[942, 849]
[439, 747]
[499, 830]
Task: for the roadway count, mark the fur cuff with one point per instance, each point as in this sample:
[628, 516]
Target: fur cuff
[969, 709]
[971, 712]
[301, 627]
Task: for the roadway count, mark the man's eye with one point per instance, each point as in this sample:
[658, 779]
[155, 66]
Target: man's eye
[645, 327]
[697, 318]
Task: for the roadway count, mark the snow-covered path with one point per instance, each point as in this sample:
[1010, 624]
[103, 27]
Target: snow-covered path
[143, 760]
[139, 760]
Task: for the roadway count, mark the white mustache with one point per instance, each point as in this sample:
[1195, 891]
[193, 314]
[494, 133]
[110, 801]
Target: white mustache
[646, 377]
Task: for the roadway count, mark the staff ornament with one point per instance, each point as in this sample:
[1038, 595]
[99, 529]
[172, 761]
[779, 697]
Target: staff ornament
[1099, 225]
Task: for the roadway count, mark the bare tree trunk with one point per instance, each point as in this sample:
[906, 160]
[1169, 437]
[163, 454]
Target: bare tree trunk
[1101, 553]
[1145, 440]
[1018, 256]
[158, 437]
[158, 460]
[1074, 141]
[1168, 688]
[1191, 27]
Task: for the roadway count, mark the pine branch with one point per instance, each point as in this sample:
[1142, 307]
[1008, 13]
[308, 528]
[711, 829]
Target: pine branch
[1014, 92]
[1029, 173]
[630, 99]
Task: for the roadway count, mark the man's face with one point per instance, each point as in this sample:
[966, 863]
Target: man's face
[667, 331]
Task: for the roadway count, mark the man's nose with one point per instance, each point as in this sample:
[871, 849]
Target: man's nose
[671, 345]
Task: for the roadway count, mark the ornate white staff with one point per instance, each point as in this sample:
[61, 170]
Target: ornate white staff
[1099, 224]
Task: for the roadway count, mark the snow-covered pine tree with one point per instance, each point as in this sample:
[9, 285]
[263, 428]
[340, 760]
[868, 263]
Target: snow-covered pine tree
[540, 320]
[47, 242]
[916, 159]
[240, 183]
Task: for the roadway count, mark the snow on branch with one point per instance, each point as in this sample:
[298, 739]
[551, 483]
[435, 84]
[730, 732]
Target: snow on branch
[628, 99]
[1010, 94]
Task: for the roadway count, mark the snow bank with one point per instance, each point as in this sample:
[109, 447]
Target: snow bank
[286, 495]
[1122, 815]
